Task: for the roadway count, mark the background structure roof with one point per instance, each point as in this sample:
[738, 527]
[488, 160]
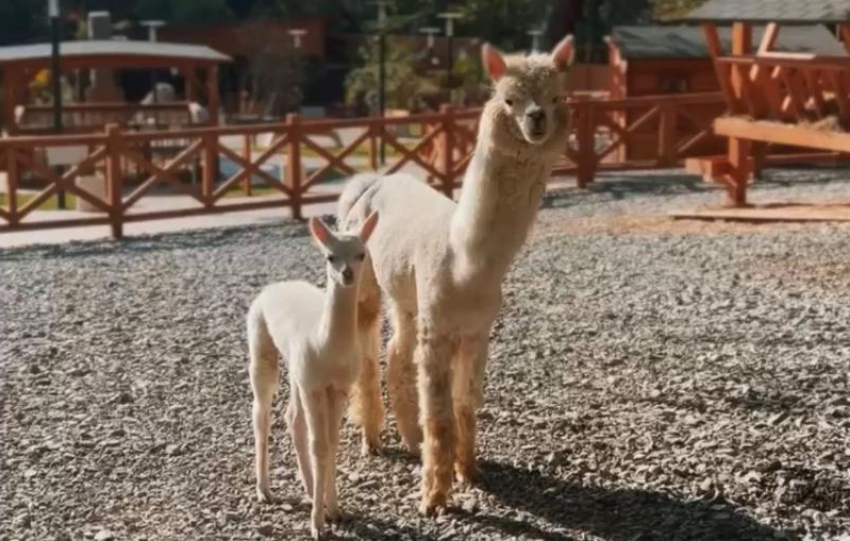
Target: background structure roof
[784, 11]
[114, 49]
[688, 41]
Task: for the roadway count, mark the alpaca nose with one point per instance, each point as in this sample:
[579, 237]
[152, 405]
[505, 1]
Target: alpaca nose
[347, 274]
[537, 115]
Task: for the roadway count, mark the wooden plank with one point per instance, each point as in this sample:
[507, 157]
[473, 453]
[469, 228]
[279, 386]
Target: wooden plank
[742, 44]
[783, 134]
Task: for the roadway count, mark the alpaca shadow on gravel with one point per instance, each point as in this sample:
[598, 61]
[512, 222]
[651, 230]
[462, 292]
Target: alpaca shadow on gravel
[621, 515]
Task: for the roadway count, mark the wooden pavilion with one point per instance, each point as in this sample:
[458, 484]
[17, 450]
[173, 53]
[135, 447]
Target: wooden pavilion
[780, 98]
[20, 64]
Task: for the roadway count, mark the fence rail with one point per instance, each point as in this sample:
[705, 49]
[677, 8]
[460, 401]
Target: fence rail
[119, 176]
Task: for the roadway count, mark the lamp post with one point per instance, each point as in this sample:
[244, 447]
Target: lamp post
[55, 79]
[152, 27]
[297, 35]
[535, 39]
[382, 74]
[450, 18]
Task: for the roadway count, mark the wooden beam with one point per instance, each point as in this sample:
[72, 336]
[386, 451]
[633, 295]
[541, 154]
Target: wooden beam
[10, 99]
[742, 44]
[783, 134]
[768, 40]
[212, 95]
[712, 41]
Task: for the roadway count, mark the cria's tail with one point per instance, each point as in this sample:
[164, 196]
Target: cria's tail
[355, 196]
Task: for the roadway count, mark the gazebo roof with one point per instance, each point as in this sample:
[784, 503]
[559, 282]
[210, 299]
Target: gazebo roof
[765, 11]
[664, 42]
[112, 54]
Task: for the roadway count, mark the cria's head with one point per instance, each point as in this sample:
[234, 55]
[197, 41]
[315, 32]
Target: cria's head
[344, 252]
[530, 88]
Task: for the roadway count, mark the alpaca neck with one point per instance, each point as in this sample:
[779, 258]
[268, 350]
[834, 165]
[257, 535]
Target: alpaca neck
[501, 194]
[339, 318]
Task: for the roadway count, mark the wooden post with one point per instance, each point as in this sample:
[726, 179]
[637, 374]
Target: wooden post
[10, 99]
[114, 180]
[712, 41]
[246, 155]
[12, 174]
[373, 145]
[586, 145]
[844, 32]
[667, 133]
[209, 176]
[189, 84]
[293, 165]
[742, 44]
[739, 153]
[448, 150]
[212, 94]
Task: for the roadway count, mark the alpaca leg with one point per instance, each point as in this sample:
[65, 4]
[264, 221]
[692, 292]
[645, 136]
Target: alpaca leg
[263, 370]
[467, 388]
[316, 406]
[296, 420]
[336, 409]
[433, 358]
[401, 376]
[367, 408]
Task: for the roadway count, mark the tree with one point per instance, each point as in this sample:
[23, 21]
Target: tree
[20, 21]
[672, 9]
[183, 11]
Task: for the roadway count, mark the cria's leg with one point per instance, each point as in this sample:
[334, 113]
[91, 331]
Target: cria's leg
[467, 389]
[433, 358]
[401, 376]
[367, 409]
[263, 370]
[296, 420]
[336, 409]
[316, 405]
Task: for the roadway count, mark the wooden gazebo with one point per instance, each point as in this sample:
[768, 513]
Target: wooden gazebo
[20, 64]
[781, 98]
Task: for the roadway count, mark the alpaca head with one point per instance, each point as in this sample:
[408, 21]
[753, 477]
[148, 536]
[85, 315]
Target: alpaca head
[344, 252]
[528, 96]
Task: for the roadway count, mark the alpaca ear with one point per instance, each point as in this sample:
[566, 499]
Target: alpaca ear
[563, 53]
[368, 227]
[320, 232]
[493, 61]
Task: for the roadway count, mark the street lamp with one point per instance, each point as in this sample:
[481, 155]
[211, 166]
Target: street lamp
[431, 31]
[535, 39]
[152, 27]
[55, 78]
[297, 36]
[450, 18]
[382, 75]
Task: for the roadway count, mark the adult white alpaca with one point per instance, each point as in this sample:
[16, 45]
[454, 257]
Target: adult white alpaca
[316, 333]
[441, 266]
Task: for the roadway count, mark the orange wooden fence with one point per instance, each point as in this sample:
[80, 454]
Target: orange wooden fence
[294, 165]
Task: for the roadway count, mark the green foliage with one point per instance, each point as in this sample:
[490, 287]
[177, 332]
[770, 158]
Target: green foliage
[405, 89]
[20, 20]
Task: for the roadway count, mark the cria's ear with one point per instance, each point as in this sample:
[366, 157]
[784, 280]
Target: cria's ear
[493, 61]
[368, 227]
[320, 232]
[563, 53]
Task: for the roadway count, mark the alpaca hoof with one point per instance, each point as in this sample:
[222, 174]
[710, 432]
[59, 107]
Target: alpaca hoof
[467, 474]
[336, 515]
[433, 506]
[371, 448]
[317, 533]
[264, 495]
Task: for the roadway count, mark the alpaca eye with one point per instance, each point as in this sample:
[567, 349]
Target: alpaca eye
[361, 257]
[331, 259]
[509, 103]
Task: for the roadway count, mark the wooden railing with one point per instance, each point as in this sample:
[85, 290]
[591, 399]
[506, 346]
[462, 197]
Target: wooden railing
[87, 117]
[209, 166]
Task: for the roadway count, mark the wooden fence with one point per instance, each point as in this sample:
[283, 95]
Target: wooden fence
[223, 169]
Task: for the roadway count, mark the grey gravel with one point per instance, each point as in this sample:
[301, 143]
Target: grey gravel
[649, 380]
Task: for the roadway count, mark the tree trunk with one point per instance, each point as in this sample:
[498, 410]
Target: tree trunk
[563, 18]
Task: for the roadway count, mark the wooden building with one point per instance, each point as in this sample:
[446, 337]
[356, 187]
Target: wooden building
[653, 60]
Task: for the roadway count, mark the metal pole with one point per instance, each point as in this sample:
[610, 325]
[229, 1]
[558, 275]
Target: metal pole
[382, 84]
[56, 83]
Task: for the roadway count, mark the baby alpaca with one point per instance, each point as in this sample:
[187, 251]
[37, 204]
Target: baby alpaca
[316, 335]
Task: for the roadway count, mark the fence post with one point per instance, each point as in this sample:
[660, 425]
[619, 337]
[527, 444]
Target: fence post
[12, 175]
[246, 155]
[210, 171]
[586, 145]
[114, 180]
[448, 150]
[373, 145]
[293, 164]
[667, 133]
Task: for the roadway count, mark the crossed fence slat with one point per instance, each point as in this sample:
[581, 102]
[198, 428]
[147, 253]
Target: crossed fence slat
[252, 167]
[157, 174]
[334, 161]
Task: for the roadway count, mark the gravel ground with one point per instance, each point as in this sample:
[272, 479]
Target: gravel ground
[649, 380]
